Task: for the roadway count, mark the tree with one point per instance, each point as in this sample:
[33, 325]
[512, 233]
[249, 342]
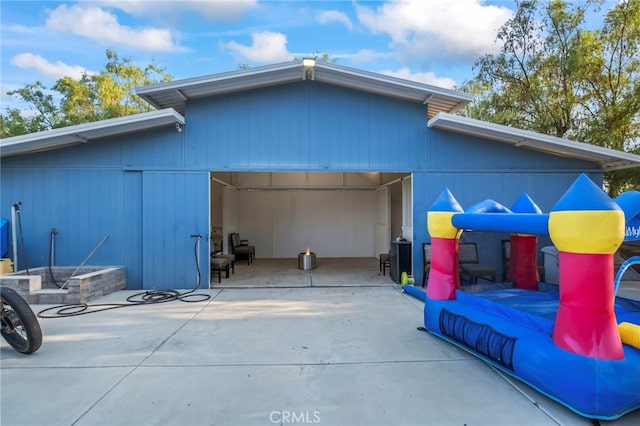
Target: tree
[325, 57]
[94, 97]
[555, 77]
[42, 114]
[609, 77]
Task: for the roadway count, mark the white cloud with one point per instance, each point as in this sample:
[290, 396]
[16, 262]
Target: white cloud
[4, 98]
[456, 28]
[422, 77]
[222, 9]
[368, 56]
[331, 16]
[53, 70]
[266, 47]
[96, 24]
[211, 9]
[18, 29]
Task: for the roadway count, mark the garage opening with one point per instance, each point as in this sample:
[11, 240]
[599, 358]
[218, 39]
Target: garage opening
[346, 219]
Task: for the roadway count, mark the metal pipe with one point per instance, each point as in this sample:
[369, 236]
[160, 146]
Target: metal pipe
[85, 260]
[14, 237]
[197, 254]
[24, 250]
[52, 246]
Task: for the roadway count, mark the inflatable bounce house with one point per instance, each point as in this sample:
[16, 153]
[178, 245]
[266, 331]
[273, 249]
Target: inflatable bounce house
[576, 342]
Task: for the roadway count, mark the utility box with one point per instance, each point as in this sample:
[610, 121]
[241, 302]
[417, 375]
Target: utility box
[550, 264]
[6, 266]
[400, 260]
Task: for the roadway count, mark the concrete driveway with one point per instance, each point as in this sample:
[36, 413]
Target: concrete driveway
[263, 356]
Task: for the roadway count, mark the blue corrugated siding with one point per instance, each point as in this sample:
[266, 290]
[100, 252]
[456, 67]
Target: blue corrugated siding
[447, 151]
[305, 126]
[131, 255]
[83, 205]
[315, 127]
[17, 187]
[174, 207]
[159, 148]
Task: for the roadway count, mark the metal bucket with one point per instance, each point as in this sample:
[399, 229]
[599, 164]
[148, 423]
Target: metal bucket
[306, 262]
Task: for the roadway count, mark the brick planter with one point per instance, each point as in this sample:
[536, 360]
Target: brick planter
[89, 283]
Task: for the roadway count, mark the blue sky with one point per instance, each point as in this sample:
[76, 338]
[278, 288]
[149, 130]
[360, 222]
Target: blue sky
[432, 41]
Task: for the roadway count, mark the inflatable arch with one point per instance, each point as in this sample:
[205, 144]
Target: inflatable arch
[576, 342]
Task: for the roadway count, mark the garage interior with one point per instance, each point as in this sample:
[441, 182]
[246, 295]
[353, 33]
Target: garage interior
[346, 218]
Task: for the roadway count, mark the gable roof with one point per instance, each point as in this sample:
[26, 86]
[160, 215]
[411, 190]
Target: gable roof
[442, 102]
[175, 94]
[83, 133]
[608, 159]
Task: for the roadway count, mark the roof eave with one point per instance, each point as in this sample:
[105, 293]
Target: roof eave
[607, 159]
[83, 133]
[175, 94]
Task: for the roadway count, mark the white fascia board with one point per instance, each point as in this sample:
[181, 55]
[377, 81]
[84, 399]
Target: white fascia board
[83, 133]
[185, 84]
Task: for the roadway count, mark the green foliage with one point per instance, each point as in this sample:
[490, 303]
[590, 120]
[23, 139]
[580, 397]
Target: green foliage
[42, 114]
[556, 77]
[94, 97]
[325, 57]
[14, 123]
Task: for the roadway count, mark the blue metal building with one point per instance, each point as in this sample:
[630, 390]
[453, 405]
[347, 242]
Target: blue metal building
[299, 154]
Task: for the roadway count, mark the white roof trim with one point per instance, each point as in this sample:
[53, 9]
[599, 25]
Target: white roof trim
[608, 159]
[83, 133]
[175, 94]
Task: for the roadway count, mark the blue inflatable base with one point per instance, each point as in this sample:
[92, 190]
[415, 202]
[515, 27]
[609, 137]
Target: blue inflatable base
[511, 330]
[418, 293]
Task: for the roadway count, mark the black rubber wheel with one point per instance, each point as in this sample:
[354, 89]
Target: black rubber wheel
[20, 327]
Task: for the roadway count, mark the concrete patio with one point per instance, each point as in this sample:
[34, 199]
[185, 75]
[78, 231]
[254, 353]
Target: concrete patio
[326, 347]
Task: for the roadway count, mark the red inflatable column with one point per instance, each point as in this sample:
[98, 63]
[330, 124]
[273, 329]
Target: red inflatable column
[587, 227]
[586, 287]
[523, 266]
[444, 277]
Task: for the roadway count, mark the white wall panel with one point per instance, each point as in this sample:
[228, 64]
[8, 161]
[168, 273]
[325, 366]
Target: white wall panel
[332, 223]
[290, 232]
[383, 220]
[360, 179]
[327, 223]
[217, 204]
[255, 220]
[361, 221]
[229, 216]
[289, 179]
[325, 179]
[252, 180]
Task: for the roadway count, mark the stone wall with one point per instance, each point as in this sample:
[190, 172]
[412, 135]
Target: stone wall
[88, 283]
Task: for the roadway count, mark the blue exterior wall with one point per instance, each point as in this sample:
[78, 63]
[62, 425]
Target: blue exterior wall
[305, 126]
[149, 191]
[88, 191]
